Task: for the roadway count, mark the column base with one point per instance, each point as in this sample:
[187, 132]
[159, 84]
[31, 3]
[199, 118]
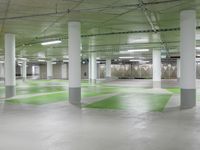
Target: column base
[178, 80]
[24, 78]
[10, 91]
[93, 81]
[75, 96]
[156, 84]
[188, 98]
[49, 77]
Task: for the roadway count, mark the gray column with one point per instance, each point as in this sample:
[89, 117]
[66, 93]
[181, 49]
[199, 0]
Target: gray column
[156, 69]
[93, 68]
[24, 70]
[108, 68]
[178, 71]
[49, 70]
[74, 43]
[187, 55]
[10, 79]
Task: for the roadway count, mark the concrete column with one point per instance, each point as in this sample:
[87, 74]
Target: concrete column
[2, 71]
[156, 69]
[64, 71]
[93, 68]
[74, 43]
[178, 71]
[49, 70]
[108, 68]
[188, 54]
[24, 71]
[10, 79]
[89, 69]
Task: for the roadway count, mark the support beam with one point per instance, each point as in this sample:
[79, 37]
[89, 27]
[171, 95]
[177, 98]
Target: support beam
[49, 70]
[10, 79]
[74, 43]
[156, 69]
[188, 55]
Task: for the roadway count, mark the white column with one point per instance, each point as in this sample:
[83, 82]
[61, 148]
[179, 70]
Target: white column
[93, 68]
[187, 55]
[2, 71]
[108, 68]
[49, 70]
[24, 70]
[178, 71]
[10, 79]
[74, 43]
[64, 71]
[156, 69]
[89, 68]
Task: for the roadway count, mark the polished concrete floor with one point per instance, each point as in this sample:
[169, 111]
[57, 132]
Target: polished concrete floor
[61, 126]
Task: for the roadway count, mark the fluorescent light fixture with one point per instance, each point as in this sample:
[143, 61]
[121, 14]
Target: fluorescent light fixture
[139, 40]
[41, 60]
[65, 60]
[124, 52]
[197, 48]
[22, 59]
[53, 63]
[126, 57]
[51, 42]
[98, 58]
[65, 56]
[138, 50]
[1, 62]
[134, 60]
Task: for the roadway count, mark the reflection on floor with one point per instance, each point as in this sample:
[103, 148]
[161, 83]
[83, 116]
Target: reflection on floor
[114, 116]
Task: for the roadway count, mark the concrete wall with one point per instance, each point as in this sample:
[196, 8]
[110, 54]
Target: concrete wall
[139, 71]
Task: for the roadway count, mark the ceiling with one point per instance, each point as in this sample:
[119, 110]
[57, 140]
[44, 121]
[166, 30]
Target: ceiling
[107, 26]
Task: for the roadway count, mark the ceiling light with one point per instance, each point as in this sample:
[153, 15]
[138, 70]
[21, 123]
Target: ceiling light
[41, 60]
[197, 48]
[138, 50]
[51, 42]
[98, 58]
[126, 57]
[65, 60]
[124, 52]
[134, 60]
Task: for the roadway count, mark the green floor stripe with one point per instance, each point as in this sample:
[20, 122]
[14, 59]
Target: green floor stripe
[139, 102]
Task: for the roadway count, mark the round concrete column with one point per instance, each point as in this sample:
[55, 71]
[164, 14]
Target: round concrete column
[2, 71]
[93, 68]
[24, 71]
[10, 79]
[64, 71]
[89, 68]
[178, 71]
[156, 69]
[187, 56]
[108, 68]
[74, 43]
[49, 70]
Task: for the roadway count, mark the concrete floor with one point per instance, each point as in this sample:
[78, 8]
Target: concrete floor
[60, 126]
